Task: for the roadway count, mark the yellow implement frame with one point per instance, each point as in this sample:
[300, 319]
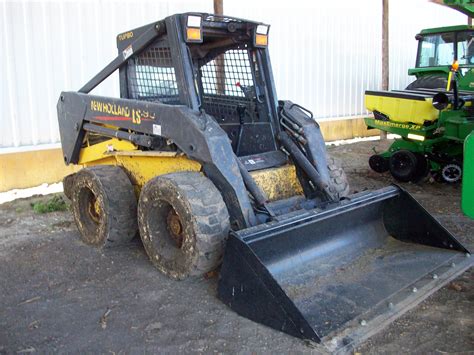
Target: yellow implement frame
[403, 110]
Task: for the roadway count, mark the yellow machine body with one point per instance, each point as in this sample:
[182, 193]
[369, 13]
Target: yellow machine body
[141, 166]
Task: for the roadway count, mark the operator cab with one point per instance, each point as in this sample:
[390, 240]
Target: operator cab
[226, 60]
[440, 47]
[231, 88]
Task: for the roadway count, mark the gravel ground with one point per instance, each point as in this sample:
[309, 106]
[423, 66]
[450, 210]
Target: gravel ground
[58, 294]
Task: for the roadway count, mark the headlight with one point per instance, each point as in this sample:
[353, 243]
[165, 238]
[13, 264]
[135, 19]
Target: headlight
[193, 29]
[194, 21]
[261, 36]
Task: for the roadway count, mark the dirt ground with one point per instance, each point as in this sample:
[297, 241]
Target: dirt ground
[58, 294]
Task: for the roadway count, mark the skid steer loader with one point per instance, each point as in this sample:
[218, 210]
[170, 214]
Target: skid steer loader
[200, 156]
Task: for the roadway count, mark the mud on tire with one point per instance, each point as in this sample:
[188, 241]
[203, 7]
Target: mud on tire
[104, 205]
[339, 185]
[68, 185]
[183, 223]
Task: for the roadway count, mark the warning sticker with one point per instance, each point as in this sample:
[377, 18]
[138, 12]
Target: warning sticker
[254, 160]
[127, 52]
[157, 129]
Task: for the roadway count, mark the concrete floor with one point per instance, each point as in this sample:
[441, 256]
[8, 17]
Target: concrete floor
[58, 294]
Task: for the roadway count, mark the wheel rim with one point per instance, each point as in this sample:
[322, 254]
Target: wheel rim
[166, 233]
[378, 163]
[175, 228]
[94, 208]
[90, 213]
[452, 173]
[403, 164]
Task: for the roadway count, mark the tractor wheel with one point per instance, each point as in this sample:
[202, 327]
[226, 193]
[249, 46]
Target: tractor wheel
[429, 82]
[104, 206]
[378, 163]
[183, 223]
[339, 184]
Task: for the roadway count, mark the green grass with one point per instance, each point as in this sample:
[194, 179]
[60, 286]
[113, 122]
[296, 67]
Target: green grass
[55, 203]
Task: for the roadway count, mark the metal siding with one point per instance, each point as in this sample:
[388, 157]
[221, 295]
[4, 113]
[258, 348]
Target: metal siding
[324, 54]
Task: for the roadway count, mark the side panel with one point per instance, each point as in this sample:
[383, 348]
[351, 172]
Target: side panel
[142, 168]
[196, 134]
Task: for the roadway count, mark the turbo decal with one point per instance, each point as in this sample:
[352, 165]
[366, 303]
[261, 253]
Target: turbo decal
[126, 35]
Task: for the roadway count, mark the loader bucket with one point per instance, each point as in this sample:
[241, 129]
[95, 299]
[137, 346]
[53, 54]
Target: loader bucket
[339, 274]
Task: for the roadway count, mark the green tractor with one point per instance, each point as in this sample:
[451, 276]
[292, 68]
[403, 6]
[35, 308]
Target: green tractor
[434, 114]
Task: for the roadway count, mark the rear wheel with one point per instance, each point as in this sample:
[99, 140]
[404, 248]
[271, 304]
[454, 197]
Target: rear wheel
[104, 205]
[339, 185]
[183, 224]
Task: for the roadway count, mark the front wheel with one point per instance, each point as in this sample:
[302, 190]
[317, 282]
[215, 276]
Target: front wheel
[183, 224]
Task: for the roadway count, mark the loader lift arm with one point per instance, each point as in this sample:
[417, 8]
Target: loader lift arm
[153, 31]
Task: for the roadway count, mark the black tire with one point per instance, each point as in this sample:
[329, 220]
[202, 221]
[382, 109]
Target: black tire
[183, 223]
[378, 163]
[104, 206]
[339, 185]
[403, 165]
[431, 81]
[422, 168]
[68, 185]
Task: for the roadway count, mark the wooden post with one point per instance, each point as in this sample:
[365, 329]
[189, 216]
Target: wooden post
[219, 7]
[385, 53]
[220, 61]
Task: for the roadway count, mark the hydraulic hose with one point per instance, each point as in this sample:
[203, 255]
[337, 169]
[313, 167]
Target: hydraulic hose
[304, 163]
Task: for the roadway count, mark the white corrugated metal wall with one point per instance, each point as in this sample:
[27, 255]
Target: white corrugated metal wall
[324, 54]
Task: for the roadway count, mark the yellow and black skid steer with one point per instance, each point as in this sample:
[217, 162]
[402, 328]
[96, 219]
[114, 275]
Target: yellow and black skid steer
[200, 157]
